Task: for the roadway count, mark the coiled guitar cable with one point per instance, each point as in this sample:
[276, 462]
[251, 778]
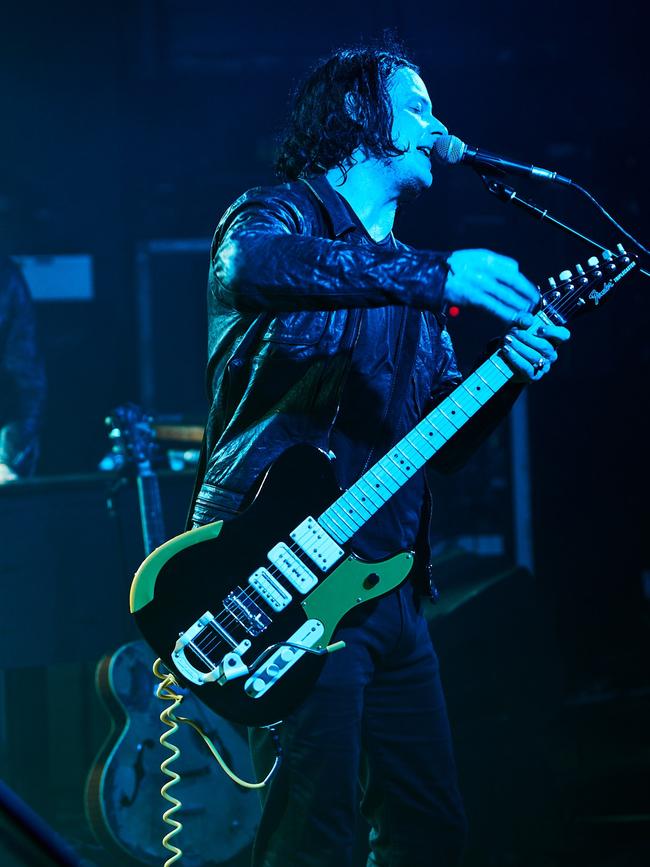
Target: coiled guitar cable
[166, 692]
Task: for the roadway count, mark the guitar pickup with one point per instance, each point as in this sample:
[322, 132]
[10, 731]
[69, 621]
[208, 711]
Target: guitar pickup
[292, 568]
[269, 589]
[317, 544]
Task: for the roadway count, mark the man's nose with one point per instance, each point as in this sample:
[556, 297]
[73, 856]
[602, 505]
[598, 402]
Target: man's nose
[438, 127]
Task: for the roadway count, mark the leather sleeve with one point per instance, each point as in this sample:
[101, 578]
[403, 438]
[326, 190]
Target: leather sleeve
[266, 259]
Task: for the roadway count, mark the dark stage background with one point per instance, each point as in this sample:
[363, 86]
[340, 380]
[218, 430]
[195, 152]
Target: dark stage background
[127, 128]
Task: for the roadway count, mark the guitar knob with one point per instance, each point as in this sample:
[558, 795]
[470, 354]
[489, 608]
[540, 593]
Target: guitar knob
[257, 685]
[593, 262]
[565, 275]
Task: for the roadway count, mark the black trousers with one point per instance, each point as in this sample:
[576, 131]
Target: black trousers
[377, 717]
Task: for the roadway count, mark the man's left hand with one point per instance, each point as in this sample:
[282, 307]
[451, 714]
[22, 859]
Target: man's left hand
[530, 353]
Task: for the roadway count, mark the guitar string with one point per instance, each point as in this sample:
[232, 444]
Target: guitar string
[213, 640]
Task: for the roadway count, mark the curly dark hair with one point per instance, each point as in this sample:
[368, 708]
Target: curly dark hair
[342, 105]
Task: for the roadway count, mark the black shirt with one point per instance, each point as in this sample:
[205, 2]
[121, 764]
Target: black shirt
[383, 362]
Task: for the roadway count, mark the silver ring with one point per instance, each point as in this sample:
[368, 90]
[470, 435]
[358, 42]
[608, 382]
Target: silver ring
[539, 364]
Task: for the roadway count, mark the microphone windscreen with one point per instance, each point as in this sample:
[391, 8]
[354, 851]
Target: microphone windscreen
[449, 149]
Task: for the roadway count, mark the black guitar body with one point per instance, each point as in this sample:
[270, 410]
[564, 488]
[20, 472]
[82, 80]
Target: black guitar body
[199, 576]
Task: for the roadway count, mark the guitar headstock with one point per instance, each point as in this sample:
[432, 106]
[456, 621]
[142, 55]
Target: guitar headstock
[574, 293]
[131, 434]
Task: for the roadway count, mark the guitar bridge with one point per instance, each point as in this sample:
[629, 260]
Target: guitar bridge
[215, 670]
[246, 612]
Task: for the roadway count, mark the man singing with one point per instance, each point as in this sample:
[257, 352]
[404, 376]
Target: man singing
[325, 329]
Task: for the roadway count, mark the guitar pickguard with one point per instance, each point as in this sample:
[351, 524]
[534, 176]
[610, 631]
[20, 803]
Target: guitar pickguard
[351, 584]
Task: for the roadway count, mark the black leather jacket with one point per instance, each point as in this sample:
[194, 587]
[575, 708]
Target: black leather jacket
[22, 377]
[288, 278]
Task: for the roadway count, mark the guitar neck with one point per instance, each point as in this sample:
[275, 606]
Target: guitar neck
[366, 496]
[153, 531]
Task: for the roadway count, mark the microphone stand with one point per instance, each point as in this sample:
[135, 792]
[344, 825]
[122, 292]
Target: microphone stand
[508, 194]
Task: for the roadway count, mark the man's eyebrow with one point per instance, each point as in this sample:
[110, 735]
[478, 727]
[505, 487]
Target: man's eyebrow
[423, 99]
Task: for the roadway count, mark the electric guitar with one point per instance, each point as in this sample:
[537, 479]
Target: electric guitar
[243, 612]
[122, 797]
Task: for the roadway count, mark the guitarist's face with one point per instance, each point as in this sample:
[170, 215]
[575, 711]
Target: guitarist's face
[414, 130]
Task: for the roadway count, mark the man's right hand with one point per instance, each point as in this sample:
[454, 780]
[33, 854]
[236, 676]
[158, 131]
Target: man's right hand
[489, 281]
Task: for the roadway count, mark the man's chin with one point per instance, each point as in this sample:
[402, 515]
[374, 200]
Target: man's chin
[414, 186]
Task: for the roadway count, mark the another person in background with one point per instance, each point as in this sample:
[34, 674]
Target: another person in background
[22, 376]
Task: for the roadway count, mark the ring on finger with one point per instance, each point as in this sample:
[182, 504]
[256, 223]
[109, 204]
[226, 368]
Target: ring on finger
[539, 364]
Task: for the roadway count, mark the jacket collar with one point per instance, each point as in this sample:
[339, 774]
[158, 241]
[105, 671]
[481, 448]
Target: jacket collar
[339, 216]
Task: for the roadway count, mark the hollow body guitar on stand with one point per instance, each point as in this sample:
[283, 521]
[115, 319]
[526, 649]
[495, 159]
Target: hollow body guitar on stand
[243, 612]
[122, 798]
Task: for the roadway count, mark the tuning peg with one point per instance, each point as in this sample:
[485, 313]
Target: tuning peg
[565, 275]
[552, 283]
[621, 249]
[580, 270]
[607, 254]
[593, 262]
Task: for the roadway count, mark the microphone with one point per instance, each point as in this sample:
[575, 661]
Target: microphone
[451, 150]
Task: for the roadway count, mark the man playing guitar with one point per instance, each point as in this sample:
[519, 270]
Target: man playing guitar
[325, 329]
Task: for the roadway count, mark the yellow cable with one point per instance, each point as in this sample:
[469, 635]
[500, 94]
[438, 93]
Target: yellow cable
[165, 692]
[224, 766]
[167, 717]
